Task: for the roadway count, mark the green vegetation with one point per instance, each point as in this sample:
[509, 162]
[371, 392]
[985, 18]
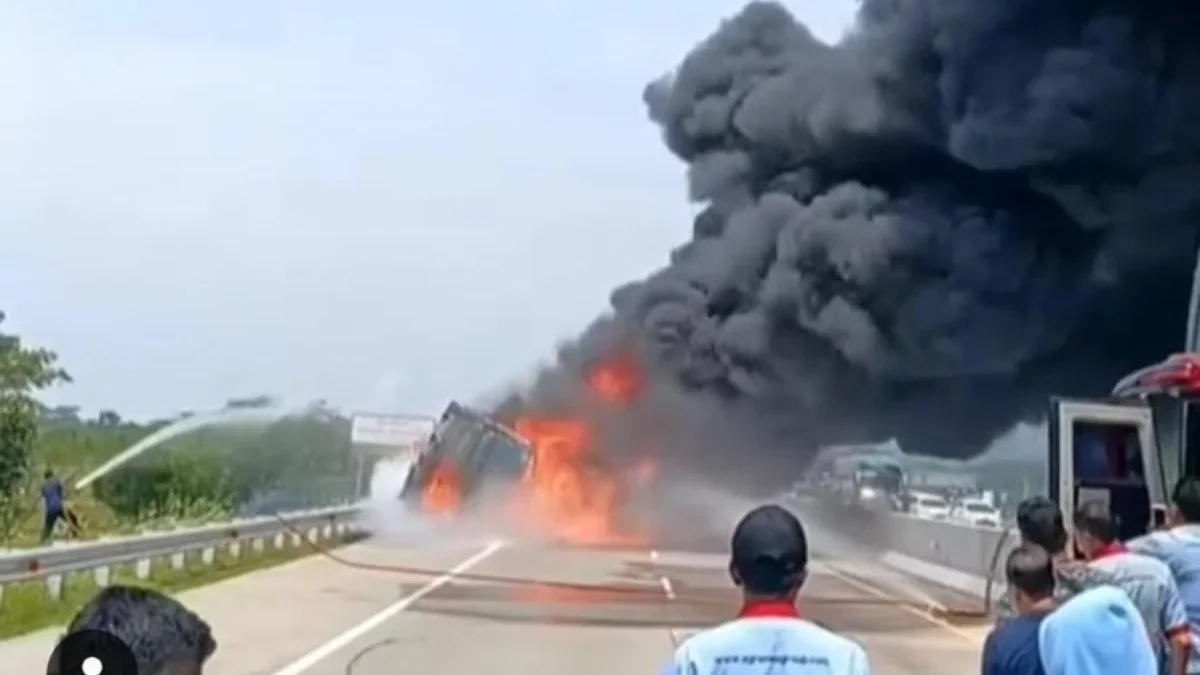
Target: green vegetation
[214, 472]
[27, 607]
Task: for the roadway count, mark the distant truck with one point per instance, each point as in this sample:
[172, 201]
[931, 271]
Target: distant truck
[478, 451]
[859, 477]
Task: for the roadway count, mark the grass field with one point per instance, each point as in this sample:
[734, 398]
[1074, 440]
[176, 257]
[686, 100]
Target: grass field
[27, 607]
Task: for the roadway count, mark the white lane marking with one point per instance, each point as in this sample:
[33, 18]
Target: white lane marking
[898, 602]
[339, 642]
[669, 590]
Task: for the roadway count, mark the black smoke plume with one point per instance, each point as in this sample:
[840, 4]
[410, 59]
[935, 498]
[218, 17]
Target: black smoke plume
[920, 232]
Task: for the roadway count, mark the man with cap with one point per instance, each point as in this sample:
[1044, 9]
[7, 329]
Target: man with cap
[769, 563]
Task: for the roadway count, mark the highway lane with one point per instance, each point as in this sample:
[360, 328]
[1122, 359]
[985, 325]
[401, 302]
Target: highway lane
[316, 617]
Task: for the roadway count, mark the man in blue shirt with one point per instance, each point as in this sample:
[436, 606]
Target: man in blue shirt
[1012, 646]
[1179, 547]
[769, 563]
[53, 499]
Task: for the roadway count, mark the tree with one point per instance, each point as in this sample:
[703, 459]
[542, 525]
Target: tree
[24, 371]
[108, 418]
[61, 416]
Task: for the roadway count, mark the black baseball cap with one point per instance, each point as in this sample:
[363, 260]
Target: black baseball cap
[769, 549]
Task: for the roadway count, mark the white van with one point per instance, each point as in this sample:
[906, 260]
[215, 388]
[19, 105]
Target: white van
[930, 507]
[978, 513]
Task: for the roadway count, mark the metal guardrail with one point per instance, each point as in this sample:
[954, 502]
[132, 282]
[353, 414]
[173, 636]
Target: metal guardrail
[281, 531]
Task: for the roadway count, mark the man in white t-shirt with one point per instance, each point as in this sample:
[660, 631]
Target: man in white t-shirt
[769, 562]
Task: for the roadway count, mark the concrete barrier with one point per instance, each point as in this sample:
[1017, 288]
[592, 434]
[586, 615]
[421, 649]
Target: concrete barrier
[964, 548]
[960, 556]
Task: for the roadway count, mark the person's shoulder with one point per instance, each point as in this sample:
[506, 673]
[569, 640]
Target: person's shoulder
[1148, 562]
[1078, 576]
[1151, 542]
[738, 630]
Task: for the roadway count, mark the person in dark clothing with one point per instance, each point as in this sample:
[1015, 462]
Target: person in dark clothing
[1012, 646]
[1040, 522]
[53, 503]
[166, 638]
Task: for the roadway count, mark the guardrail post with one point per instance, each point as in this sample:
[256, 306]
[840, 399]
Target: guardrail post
[54, 586]
[51, 566]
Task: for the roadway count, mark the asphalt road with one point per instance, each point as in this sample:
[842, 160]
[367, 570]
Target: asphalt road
[320, 617]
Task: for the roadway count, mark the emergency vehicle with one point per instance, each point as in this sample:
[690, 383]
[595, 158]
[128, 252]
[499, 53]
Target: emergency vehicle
[1129, 449]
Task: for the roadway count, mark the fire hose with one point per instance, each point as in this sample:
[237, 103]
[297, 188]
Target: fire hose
[631, 593]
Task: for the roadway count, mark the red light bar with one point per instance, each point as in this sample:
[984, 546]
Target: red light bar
[1178, 374]
[1181, 371]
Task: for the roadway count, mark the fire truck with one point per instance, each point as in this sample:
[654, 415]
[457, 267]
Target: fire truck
[481, 453]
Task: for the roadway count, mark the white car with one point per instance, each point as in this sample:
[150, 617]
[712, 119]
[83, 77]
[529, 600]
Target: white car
[978, 513]
[930, 507]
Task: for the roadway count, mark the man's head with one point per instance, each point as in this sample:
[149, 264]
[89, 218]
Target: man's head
[769, 554]
[1095, 528]
[1040, 522]
[48, 474]
[1030, 575]
[1185, 502]
[166, 638]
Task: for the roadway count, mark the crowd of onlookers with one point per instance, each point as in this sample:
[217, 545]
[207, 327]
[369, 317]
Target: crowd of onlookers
[1118, 608]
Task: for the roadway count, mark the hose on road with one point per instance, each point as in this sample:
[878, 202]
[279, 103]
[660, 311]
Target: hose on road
[650, 594]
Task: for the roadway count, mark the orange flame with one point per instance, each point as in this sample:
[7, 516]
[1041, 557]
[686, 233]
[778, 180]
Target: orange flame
[443, 495]
[568, 493]
[617, 381]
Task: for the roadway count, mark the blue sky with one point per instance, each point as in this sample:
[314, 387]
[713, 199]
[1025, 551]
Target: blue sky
[379, 205]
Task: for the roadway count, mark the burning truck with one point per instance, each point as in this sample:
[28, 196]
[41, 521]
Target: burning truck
[544, 473]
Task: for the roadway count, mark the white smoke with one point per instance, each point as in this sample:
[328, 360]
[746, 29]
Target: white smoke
[392, 522]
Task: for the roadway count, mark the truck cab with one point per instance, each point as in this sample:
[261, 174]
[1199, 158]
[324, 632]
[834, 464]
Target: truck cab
[478, 450]
[1129, 449]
